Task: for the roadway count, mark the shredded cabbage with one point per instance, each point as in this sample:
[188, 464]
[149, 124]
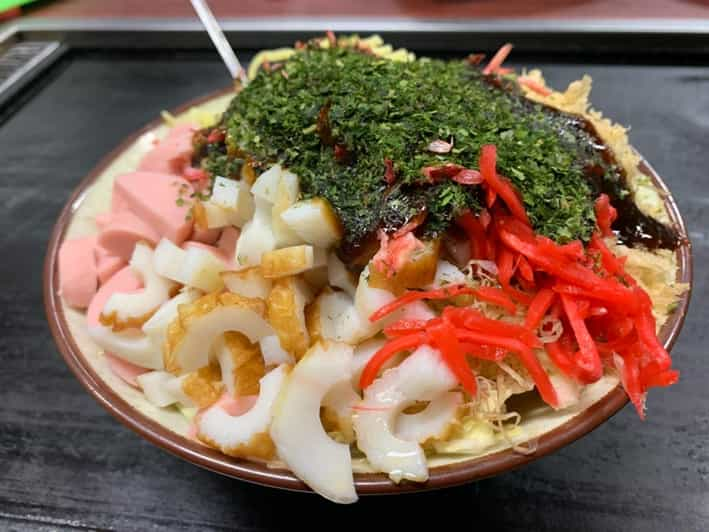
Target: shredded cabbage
[194, 115]
[187, 411]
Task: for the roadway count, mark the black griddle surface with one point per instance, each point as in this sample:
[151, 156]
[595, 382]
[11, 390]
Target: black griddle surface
[66, 463]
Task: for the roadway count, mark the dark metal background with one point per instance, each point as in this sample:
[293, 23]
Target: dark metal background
[671, 41]
[65, 463]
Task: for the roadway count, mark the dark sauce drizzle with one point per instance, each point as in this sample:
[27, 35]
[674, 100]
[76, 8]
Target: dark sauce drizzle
[632, 226]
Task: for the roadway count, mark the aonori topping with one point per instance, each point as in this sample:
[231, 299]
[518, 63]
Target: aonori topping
[415, 129]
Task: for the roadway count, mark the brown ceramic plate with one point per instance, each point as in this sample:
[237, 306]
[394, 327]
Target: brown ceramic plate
[608, 403]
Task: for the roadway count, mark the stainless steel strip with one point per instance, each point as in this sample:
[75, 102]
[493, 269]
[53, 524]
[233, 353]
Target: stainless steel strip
[690, 35]
[558, 36]
[21, 62]
[373, 24]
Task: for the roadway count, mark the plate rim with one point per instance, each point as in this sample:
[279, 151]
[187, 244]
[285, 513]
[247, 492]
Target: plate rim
[365, 483]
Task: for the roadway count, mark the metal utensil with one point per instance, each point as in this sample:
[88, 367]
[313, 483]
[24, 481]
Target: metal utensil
[219, 39]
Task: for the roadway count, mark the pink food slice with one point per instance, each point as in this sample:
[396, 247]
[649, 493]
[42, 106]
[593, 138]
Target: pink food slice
[222, 254]
[122, 233]
[124, 369]
[161, 201]
[172, 154]
[118, 204]
[78, 278]
[106, 264]
[201, 245]
[103, 219]
[225, 248]
[123, 281]
[234, 406]
[192, 431]
[227, 242]
[206, 236]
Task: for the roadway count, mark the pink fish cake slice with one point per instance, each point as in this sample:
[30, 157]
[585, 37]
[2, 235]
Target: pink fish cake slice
[124, 230]
[106, 264]
[161, 201]
[172, 154]
[78, 278]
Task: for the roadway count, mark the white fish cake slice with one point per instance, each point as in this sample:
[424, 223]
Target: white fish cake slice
[302, 443]
[420, 377]
[245, 435]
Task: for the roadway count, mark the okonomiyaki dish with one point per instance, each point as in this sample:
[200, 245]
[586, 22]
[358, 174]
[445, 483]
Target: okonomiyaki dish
[363, 262]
